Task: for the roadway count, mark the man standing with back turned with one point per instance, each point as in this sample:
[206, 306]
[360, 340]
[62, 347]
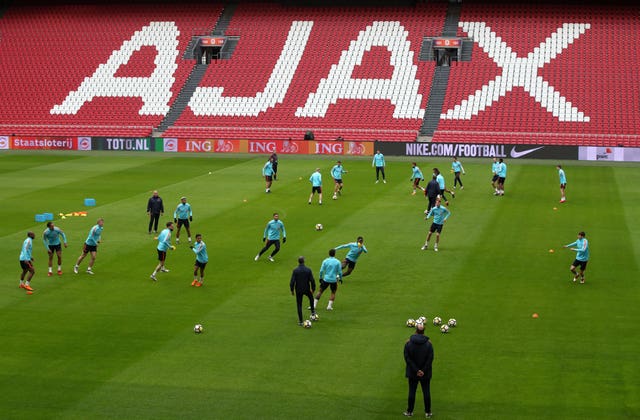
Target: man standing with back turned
[303, 283]
[418, 354]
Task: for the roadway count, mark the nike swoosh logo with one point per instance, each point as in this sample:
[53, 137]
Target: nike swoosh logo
[516, 155]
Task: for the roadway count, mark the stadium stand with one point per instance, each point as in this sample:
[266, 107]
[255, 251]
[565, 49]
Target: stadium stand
[263, 30]
[65, 44]
[539, 73]
[544, 74]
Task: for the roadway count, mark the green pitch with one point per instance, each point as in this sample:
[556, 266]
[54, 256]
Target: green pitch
[116, 345]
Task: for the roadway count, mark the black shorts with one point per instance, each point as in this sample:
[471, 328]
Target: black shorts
[337, 181]
[501, 180]
[89, 248]
[268, 178]
[494, 178]
[183, 222]
[200, 264]
[26, 265]
[563, 185]
[435, 228]
[347, 262]
[316, 189]
[416, 181]
[162, 255]
[581, 264]
[55, 248]
[332, 286]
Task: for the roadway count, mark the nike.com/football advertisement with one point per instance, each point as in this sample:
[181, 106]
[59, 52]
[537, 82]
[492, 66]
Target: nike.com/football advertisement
[476, 150]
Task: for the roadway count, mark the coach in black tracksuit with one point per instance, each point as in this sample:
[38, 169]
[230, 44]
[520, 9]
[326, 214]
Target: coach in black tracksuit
[155, 209]
[418, 353]
[431, 192]
[304, 284]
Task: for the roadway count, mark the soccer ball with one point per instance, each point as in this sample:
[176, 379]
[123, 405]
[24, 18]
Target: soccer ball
[411, 322]
[444, 328]
[314, 317]
[198, 329]
[437, 321]
[452, 323]
[306, 323]
[319, 226]
[420, 320]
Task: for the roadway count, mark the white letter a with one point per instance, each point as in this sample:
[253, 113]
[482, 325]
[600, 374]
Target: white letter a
[154, 90]
[401, 89]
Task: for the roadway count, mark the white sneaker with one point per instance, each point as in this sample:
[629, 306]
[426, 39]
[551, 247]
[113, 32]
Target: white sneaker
[384, 180]
[164, 270]
[435, 248]
[377, 181]
[462, 187]
[177, 240]
[256, 258]
[89, 271]
[424, 247]
[329, 308]
[153, 277]
[75, 269]
[271, 258]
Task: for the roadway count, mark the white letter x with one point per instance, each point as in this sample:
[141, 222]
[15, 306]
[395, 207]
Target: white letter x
[519, 71]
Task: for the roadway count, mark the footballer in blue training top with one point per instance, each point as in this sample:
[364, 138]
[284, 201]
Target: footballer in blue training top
[271, 236]
[456, 167]
[164, 244]
[355, 250]
[26, 263]
[440, 215]
[494, 174]
[502, 176]
[91, 246]
[316, 185]
[378, 162]
[563, 183]
[202, 258]
[182, 216]
[330, 274]
[581, 246]
[336, 173]
[51, 237]
[416, 177]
